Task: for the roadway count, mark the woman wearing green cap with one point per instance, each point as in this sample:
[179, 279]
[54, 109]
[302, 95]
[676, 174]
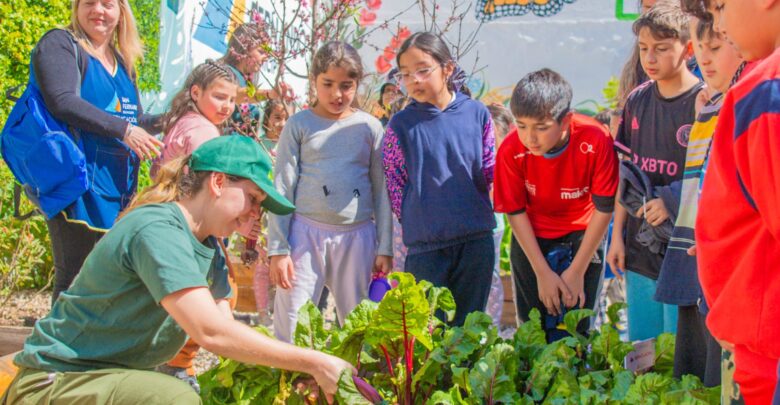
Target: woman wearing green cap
[154, 278]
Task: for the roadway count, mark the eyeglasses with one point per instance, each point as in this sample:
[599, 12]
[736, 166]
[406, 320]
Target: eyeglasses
[418, 75]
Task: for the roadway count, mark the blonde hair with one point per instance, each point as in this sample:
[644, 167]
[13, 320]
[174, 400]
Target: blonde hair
[126, 40]
[174, 180]
[202, 76]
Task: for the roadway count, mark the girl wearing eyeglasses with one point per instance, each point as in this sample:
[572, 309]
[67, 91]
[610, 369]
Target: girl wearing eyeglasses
[439, 154]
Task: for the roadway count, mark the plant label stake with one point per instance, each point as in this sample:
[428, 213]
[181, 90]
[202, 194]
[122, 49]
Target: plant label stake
[643, 356]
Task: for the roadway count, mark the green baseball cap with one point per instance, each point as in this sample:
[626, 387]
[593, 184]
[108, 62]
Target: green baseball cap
[240, 156]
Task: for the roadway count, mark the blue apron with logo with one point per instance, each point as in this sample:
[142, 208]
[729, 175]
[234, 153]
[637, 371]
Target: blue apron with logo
[112, 168]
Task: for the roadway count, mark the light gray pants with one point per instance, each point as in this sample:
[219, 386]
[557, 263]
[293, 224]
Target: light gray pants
[338, 256]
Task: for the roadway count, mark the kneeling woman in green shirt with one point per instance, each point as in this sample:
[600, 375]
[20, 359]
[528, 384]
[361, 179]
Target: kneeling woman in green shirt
[154, 278]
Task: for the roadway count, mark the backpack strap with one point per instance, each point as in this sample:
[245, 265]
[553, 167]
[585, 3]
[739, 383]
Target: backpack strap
[18, 203]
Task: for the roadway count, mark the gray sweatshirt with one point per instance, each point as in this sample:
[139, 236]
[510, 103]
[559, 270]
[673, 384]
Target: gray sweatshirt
[332, 171]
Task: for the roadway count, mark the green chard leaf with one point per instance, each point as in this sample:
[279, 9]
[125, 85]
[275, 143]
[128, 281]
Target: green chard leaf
[451, 397]
[402, 312]
[492, 377]
[607, 346]
[348, 392]
[622, 383]
[664, 354]
[648, 389]
[529, 339]
[572, 319]
[613, 313]
[310, 331]
[348, 341]
[439, 298]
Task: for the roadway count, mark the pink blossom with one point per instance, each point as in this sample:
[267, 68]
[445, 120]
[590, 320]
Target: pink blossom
[366, 17]
[389, 53]
[382, 65]
[373, 4]
[404, 33]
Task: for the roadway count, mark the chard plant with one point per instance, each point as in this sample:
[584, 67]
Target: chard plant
[403, 349]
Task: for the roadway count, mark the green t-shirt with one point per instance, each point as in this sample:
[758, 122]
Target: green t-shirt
[110, 316]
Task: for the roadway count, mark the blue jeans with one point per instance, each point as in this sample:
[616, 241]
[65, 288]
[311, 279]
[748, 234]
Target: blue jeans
[466, 269]
[647, 318]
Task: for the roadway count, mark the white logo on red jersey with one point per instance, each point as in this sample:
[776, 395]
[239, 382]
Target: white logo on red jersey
[519, 155]
[530, 187]
[586, 148]
[574, 193]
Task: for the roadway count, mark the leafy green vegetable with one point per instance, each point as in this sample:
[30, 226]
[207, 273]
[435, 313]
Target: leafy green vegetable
[411, 357]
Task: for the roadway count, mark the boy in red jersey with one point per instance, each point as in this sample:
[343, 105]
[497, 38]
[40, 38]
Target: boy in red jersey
[556, 177]
[738, 227]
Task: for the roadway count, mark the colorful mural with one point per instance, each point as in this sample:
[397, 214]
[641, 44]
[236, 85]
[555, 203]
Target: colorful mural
[488, 10]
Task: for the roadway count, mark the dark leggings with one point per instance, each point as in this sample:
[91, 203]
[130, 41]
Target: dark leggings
[696, 351]
[70, 243]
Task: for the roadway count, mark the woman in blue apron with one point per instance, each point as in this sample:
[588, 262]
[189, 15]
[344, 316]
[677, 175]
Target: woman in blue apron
[99, 101]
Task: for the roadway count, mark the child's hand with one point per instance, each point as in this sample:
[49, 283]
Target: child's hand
[654, 212]
[281, 271]
[692, 251]
[551, 287]
[616, 257]
[705, 94]
[575, 280]
[383, 265]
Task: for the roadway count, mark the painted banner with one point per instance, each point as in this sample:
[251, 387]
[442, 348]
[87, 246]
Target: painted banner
[192, 31]
[488, 10]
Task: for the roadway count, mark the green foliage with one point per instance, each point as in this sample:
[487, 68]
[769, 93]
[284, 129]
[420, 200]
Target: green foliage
[25, 255]
[610, 92]
[22, 23]
[506, 241]
[425, 361]
[147, 18]
[664, 354]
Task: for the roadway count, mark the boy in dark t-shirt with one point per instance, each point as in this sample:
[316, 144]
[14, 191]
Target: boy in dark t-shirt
[654, 131]
[556, 177]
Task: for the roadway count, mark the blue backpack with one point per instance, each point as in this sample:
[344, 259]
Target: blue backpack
[44, 155]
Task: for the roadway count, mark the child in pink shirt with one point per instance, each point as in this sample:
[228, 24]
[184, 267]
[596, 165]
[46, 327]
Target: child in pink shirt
[197, 111]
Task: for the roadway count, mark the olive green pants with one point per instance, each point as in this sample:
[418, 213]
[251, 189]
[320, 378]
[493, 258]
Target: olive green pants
[114, 386]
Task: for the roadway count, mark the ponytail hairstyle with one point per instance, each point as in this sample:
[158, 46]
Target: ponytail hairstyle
[245, 38]
[337, 54]
[433, 45]
[173, 181]
[202, 76]
[126, 40]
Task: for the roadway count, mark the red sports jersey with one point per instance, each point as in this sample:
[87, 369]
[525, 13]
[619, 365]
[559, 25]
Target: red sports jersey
[558, 193]
[738, 226]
